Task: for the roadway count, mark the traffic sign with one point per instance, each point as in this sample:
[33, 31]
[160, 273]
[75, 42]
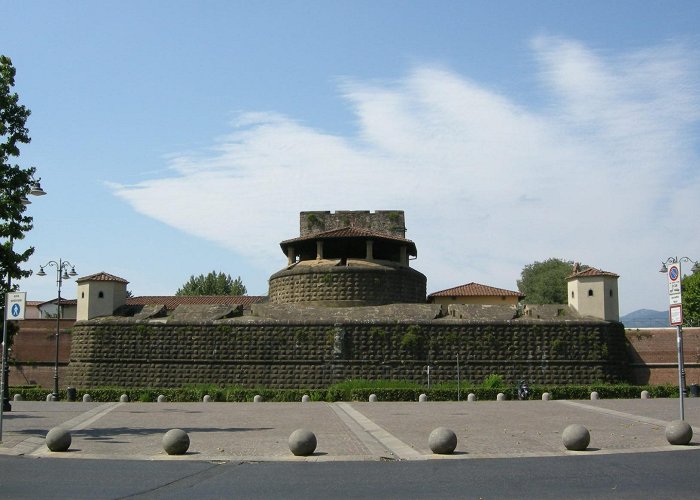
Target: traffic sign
[674, 273]
[676, 315]
[16, 302]
[674, 284]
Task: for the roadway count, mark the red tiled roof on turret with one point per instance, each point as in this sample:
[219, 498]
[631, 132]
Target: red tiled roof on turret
[592, 272]
[103, 276]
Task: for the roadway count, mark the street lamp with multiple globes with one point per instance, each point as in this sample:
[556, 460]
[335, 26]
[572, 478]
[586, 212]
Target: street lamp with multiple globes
[61, 274]
[34, 190]
[676, 292]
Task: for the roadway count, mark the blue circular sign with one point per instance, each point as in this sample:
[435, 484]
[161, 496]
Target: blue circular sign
[15, 310]
[673, 273]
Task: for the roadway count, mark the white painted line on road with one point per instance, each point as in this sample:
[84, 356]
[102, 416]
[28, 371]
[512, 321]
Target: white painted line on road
[83, 421]
[400, 449]
[370, 442]
[76, 424]
[24, 447]
[620, 414]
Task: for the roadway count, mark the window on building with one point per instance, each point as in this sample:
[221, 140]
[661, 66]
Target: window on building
[611, 292]
[101, 295]
[590, 293]
[572, 294]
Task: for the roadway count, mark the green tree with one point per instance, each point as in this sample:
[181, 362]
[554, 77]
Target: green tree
[691, 299]
[15, 181]
[545, 282]
[213, 284]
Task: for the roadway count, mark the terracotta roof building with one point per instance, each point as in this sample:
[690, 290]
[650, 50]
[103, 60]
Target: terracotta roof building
[593, 292]
[475, 293]
[102, 294]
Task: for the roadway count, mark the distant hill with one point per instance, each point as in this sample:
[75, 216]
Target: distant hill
[645, 318]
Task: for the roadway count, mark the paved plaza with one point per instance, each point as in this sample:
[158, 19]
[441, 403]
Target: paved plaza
[251, 432]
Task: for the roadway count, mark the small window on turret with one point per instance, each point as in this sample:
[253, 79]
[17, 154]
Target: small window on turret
[101, 295]
[572, 294]
[611, 292]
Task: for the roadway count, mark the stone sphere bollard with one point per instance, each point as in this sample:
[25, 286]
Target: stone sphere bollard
[471, 397]
[546, 396]
[500, 397]
[206, 398]
[305, 398]
[302, 442]
[645, 395]
[679, 432]
[50, 397]
[123, 398]
[87, 398]
[176, 442]
[162, 399]
[442, 441]
[422, 398]
[594, 396]
[576, 437]
[17, 397]
[372, 398]
[258, 398]
[58, 439]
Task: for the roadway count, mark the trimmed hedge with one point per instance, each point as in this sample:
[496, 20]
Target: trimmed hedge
[352, 393]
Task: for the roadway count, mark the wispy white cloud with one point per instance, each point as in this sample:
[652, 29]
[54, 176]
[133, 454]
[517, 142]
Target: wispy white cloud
[488, 184]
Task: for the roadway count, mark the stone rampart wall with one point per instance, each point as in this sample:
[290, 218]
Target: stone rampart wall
[348, 286]
[304, 354]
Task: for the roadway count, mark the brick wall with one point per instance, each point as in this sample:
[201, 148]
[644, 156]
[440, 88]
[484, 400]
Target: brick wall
[653, 355]
[286, 354]
[33, 354]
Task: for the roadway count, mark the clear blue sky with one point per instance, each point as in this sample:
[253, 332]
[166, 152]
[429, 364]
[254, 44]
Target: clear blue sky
[175, 138]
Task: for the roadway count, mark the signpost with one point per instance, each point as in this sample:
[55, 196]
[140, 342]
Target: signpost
[675, 312]
[16, 303]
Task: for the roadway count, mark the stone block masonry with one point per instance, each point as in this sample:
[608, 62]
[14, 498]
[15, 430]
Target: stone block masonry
[385, 221]
[348, 286]
[287, 354]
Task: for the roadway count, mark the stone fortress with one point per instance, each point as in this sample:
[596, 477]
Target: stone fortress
[347, 305]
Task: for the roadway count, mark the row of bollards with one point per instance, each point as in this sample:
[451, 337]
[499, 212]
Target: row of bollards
[302, 442]
[442, 441]
[546, 396]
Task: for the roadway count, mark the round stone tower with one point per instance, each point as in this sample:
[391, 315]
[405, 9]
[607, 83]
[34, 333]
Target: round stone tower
[349, 259]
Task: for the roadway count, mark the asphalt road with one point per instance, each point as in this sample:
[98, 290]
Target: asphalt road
[632, 475]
